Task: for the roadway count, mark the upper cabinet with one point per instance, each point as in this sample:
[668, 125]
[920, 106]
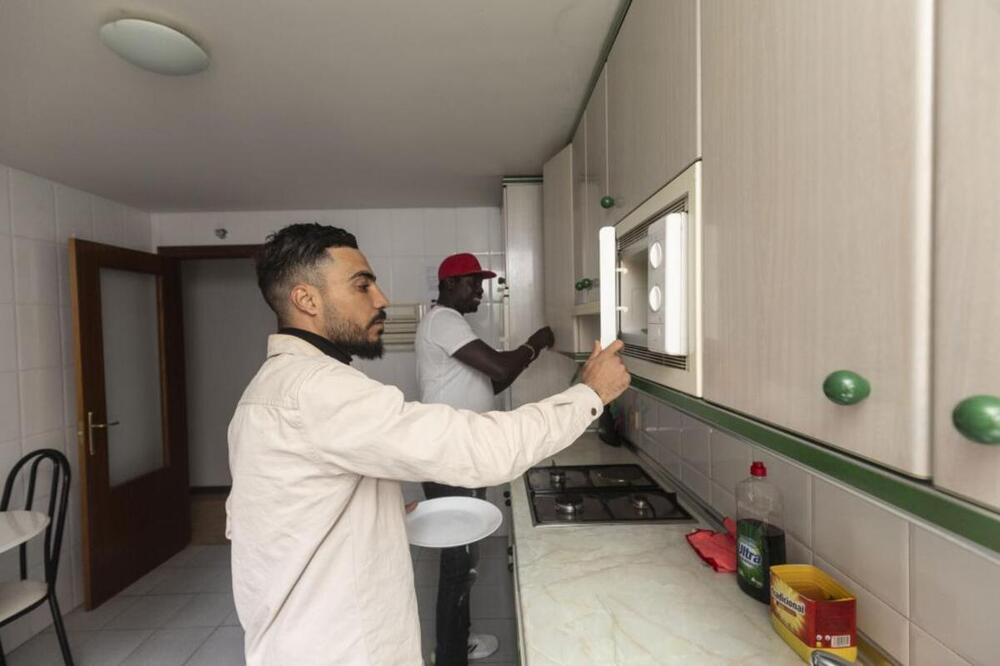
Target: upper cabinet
[967, 252]
[816, 208]
[652, 100]
[557, 243]
[596, 179]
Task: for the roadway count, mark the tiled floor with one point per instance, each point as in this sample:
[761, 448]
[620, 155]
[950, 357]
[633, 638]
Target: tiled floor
[182, 614]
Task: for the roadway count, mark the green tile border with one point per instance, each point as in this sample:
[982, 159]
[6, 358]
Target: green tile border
[914, 497]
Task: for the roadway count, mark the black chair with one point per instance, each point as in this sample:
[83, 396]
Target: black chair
[25, 595]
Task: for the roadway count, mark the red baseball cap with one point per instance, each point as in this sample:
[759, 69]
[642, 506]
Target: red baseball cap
[458, 265]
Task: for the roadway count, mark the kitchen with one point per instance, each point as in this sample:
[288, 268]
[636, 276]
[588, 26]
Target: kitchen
[821, 173]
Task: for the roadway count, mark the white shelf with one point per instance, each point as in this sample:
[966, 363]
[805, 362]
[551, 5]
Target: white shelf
[587, 309]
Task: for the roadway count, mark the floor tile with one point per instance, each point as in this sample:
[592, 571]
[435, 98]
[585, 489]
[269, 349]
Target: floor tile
[43, 649]
[232, 620]
[83, 620]
[194, 580]
[168, 647]
[203, 610]
[147, 582]
[109, 647]
[223, 648]
[150, 612]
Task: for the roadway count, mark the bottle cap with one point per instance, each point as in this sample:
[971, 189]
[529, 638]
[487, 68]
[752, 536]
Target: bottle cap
[758, 469]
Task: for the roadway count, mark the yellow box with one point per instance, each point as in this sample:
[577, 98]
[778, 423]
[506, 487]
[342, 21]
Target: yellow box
[812, 611]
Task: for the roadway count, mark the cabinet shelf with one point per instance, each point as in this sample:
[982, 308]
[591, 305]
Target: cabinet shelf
[587, 309]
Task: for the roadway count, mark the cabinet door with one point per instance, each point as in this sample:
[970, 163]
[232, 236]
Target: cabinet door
[580, 192]
[816, 209]
[597, 180]
[557, 248]
[967, 247]
[652, 100]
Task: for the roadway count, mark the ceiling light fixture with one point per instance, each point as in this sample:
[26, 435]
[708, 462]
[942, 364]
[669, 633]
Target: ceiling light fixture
[154, 46]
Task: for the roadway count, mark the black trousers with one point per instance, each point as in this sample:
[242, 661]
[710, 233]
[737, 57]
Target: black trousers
[457, 574]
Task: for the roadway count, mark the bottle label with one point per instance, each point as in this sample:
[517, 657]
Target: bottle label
[749, 549]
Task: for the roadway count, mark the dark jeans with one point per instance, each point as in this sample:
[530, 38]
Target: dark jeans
[454, 586]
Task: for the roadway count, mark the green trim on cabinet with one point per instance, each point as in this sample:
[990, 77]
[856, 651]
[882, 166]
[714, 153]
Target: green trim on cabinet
[510, 180]
[918, 498]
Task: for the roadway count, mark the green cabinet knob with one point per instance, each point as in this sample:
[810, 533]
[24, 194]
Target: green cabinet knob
[846, 388]
[607, 202]
[978, 418]
[579, 285]
[586, 283]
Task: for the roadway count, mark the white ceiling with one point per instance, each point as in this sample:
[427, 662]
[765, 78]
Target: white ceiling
[306, 104]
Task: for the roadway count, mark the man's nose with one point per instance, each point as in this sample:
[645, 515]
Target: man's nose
[379, 301]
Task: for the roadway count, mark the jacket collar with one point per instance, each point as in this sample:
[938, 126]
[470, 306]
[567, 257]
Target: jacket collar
[297, 341]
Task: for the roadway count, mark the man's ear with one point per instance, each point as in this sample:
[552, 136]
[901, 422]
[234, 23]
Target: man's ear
[305, 299]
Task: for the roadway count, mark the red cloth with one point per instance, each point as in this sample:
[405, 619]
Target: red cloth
[718, 549]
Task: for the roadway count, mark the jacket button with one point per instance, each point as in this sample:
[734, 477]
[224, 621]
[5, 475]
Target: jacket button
[593, 411]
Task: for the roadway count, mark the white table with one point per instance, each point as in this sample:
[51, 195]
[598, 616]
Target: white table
[16, 527]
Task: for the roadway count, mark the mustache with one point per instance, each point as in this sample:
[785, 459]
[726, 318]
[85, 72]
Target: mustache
[381, 316]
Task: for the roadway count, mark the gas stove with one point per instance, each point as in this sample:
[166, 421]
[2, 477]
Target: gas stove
[600, 494]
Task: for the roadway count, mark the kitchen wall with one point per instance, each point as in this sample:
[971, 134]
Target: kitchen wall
[404, 246]
[924, 596]
[37, 381]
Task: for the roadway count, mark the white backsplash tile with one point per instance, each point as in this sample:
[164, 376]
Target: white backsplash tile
[795, 484]
[797, 552]
[10, 412]
[864, 540]
[498, 236]
[926, 651]
[8, 338]
[6, 270]
[41, 400]
[884, 625]
[695, 445]
[4, 200]
[374, 232]
[671, 424]
[472, 230]
[955, 594]
[38, 337]
[36, 273]
[32, 206]
[109, 221]
[439, 232]
[407, 232]
[731, 458]
[139, 233]
[701, 485]
[74, 214]
[409, 280]
[723, 501]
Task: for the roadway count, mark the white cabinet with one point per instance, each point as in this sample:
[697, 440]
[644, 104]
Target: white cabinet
[652, 105]
[596, 182]
[967, 242]
[816, 209]
[557, 248]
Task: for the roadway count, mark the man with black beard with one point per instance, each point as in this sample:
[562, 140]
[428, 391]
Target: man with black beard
[321, 567]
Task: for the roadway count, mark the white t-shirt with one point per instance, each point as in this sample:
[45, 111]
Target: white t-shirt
[444, 379]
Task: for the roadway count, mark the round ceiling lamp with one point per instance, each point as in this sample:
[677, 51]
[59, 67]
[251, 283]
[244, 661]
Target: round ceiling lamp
[154, 46]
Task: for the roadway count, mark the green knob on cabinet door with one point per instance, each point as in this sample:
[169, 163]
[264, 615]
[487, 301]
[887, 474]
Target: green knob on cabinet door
[587, 283]
[978, 418]
[579, 285]
[607, 202]
[846, 388]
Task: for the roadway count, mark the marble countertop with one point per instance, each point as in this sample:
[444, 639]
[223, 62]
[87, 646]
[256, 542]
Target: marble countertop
[629, 594]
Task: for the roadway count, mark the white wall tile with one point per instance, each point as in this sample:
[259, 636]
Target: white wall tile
[6, 270]
[407, 232]
[409, 284]
[54, 439]
[38, 337]
[74, 214]
[723, 501]
[440, 235]
[109, 222]
[472, 229]
[346, 219]
[926, 651]
[695, 445]
[796, 552]
[864, 540]
[955, 594]
[876, 619]
[138, 230]
[498, 238]
[62, 262]
[66, 335]
[36, 275]
[240, 229]
[4, 200]
[795, 484]
[697, 482]
[10, 412]
[374, 232]
[172, 229]
[69, 395]
[8, 338]
[41, 400]
[32, 206]
[671, 429]
[731, 458]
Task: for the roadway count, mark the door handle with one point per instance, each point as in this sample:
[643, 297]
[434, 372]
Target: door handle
[91, 427]
[608, 264]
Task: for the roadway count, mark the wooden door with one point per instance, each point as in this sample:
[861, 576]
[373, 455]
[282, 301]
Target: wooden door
[652, 99]
[816, 208]
[597, 185]
[557, 248]
[967, 243]
[132, 437]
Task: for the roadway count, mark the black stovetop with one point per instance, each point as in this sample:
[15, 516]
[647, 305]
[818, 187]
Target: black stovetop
[594, 494]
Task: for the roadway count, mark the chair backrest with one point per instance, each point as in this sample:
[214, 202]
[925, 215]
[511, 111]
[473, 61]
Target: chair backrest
[56, 510]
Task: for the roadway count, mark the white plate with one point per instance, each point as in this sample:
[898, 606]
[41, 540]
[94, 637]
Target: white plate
[446, 522]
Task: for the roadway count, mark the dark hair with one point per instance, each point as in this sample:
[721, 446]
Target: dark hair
[291, 254]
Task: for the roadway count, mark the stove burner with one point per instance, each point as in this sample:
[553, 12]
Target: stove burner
[569, 504]
[619, 476]
[641, 503]
[557, 477]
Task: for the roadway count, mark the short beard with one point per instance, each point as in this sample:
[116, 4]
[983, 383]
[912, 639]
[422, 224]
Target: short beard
[353, 339]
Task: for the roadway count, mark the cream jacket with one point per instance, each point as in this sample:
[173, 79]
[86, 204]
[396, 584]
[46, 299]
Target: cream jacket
[321, 565]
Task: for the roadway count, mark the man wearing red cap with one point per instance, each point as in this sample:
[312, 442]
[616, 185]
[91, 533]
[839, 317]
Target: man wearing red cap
[455, 367]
